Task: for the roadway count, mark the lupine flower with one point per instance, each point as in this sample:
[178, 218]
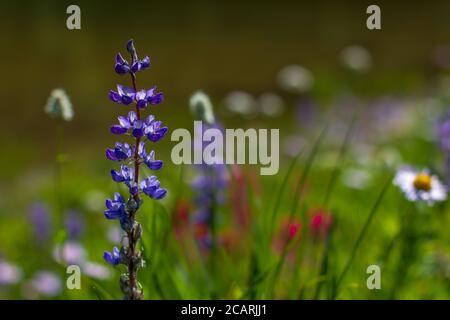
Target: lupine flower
[40, 221]
[151, 187]
[320, 224]
[154, 131]
[126, 175]
[9, 274]
[420, 185]
[123, 66]
[74, 224]
[140, 129]
[46, 283]
[113, 258]
[149, 159]
[59, 105]
[126, 96]
[122, 151]
[115, 207]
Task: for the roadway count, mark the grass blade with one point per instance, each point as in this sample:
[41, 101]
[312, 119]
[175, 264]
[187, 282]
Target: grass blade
[361, 235]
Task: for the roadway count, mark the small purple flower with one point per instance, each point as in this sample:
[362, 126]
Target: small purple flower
[155, 132]
[143, 98]
[96, 271]
[125, 175]
[137, 127]
[149, 159]
[46, 283]
[115, 207]
[70, 252]
[151, 187]
[113, 258]
[125, 123]
[140, 65]
[74, 224]
[10, 274]
[124, 95]
[122, 151]
[41, 221]
[122, 65]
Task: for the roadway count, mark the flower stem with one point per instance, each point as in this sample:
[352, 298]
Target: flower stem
[134, 293]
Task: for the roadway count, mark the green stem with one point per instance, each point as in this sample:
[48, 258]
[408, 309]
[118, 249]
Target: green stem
[361, 236]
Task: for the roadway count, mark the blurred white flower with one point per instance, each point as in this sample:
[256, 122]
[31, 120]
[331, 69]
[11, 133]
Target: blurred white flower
[241, 102]
[271, 104]
[9, 274]
[96, 270]
[201, 107]
[59, 105]
[356, 58]
[295, 79]
[70, 252]
[46, 283]
[356, 178]
[420, 186]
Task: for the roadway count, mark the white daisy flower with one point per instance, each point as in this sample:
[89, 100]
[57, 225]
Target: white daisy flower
[420, 186]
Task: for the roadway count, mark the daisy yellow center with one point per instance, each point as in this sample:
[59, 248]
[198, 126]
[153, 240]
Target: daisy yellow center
[422, 181]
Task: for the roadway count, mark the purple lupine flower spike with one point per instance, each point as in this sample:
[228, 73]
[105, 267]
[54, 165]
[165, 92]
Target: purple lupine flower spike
[140, 130]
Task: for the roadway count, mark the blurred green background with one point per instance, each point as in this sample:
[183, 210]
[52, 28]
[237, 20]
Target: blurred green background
[218, 47]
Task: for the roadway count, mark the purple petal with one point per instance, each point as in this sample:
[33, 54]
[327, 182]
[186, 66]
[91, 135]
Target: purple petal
[121, 68]
[156, 99]
[114, 96]
[111, 155]
[116, 129]
[137, 66]
[120, 59]
[145, 62]
[124, 122]
[108, 203]
[159, 194]
[116, 176]
[155, 165]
